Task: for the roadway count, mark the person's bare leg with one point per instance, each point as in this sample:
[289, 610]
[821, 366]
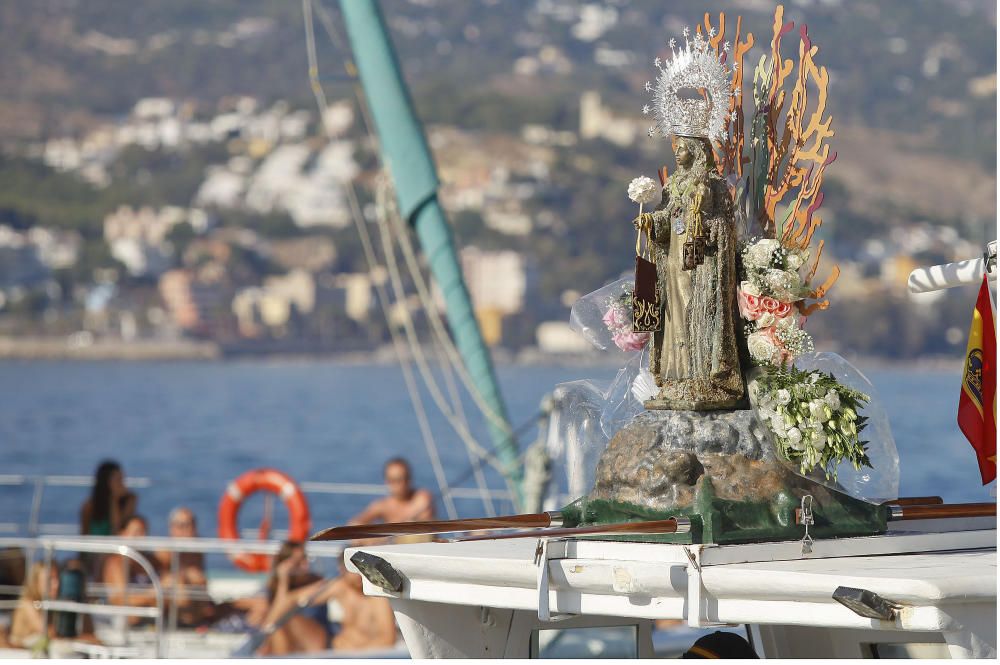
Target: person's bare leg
[255, 608]
[305, 635]
[276, 645]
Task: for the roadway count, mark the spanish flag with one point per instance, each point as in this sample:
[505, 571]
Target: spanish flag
[977, 405]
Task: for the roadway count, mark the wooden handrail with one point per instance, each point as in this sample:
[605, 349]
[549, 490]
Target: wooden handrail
[904, 508]
[943, 511]
[656, 526]
[353, 532]
[917, 501]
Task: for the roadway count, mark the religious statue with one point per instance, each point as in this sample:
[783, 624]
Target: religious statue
[694, 357]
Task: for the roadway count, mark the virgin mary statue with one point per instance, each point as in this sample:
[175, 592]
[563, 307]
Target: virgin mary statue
[694, 356]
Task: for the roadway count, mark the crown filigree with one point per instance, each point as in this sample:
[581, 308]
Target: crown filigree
[690, 96]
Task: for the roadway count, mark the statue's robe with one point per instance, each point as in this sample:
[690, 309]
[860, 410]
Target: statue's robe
[695, 358]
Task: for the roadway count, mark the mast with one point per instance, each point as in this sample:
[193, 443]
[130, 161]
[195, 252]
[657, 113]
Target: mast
[405, 152]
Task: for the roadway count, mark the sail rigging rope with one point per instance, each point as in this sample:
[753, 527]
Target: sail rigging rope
[434, 317]
[453, 414]
[411, 386]
[384, 210]
[443, 339]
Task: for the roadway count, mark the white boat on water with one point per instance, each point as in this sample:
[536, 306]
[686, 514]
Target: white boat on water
[927, 588]
[923, 587]
[935, 581]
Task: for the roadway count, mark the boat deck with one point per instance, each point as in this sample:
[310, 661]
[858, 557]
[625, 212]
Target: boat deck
[939, 580]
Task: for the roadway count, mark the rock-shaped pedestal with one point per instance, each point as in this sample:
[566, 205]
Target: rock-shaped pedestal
[718, 468]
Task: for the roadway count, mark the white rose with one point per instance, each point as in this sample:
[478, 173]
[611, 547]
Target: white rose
[750, 288]
[817, 411]
[832, 399]
[794, 262]
[766, 320]
[762, 349]
[760, 252]
[783, 397]
[788, 322]
[794, 437]
[819, 442]
[783, 284]
[643, 190]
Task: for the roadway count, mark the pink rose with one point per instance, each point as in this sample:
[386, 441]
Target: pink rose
[750, 308]
[614, 317]
[782, 310]
[630, 341]
[781, 354]
[768, 304]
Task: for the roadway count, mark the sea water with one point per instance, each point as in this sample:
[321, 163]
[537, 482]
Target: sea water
[192, 427]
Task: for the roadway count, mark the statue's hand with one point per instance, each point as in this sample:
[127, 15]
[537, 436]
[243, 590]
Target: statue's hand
[643, 221]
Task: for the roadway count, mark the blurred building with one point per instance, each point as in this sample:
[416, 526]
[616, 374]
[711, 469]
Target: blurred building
[598, 122]
[358, 294]
[272, 307]
[20, 263]
[559, 337]
[138, 237]
[195, 306]
[497, 282]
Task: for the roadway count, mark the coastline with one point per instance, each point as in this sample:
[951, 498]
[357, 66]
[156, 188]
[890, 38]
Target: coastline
[48, 349]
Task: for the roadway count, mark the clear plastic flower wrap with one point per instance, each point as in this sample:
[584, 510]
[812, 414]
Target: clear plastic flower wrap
[876, 483]
[589, 412]
[603, 317]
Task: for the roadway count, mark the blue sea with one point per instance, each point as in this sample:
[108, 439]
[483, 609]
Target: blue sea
[193, 427]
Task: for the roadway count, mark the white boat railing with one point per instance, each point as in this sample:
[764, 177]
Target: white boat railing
[39, 484]
[96, 545]
[132, 549]
[949, 275]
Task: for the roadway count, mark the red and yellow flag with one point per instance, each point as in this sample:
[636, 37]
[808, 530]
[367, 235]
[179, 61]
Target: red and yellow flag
[977, 405]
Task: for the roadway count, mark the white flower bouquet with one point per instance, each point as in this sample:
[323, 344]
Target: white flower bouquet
[814, 418]
[769, 296]
[643, 190]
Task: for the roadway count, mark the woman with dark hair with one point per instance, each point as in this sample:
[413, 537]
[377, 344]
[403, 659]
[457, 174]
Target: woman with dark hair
[291, 580]
[110, 505]
[365, 623]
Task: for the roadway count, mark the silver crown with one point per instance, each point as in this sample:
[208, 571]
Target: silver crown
[690, 97]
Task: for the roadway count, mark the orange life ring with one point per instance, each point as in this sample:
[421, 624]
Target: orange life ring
[256, 480]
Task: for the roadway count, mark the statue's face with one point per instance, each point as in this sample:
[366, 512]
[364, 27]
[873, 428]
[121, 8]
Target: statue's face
[683, 155]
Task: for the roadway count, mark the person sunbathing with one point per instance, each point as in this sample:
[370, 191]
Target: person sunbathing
[405, 503]
[184, 581]
[297, 616]
[28, 624]
[118, 572]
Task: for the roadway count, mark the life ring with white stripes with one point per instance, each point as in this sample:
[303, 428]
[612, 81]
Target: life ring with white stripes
[256, 480]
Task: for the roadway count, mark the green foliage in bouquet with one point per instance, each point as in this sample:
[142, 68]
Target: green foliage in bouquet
[815, 419]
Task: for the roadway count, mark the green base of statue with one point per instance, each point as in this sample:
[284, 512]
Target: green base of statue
[722, 521]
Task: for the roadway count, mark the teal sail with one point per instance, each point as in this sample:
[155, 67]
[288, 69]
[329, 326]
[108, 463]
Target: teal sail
[405, 153]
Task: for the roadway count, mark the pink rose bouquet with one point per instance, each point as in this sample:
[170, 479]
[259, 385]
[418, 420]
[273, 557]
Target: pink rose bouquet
[767, 296]
[618, 320]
